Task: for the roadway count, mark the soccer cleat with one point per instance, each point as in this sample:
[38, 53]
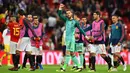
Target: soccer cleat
[32, 69]
[114, 69]
[61, 70]
[74, 68]
[18, 66]
[91, 70]
[36, 67]
[78, 70]
[14, 69]
[109, 68]
[124, 67]
[90, 67]
[41, 68]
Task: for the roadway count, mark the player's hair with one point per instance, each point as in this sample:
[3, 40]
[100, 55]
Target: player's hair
[84, 16]
[35, 17]
[115, 15]
[97, 12]
[21, 12]
[77, 13]
[14, 17]
[29, 15]
[69, 10]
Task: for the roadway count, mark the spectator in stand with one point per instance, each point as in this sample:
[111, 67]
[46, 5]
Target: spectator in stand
[3, 13]
[22, 5]
[51, 21]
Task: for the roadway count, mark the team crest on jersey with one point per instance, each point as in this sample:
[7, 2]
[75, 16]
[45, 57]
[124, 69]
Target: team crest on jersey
[116, 27]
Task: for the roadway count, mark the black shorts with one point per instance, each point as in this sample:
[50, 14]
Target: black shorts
[64, 50]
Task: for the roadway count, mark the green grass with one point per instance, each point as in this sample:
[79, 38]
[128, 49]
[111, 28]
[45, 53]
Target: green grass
[53, 68]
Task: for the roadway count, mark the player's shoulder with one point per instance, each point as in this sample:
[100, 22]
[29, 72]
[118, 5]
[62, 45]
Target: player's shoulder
[5, 30]
[112, 25]
[76, 21]
[10, 24]
[101, 20]
[119, 24]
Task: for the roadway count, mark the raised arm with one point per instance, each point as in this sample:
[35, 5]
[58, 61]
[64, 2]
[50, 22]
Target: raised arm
[80, 29]
[60, 13]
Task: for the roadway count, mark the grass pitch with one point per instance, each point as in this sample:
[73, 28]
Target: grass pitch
[53, 68]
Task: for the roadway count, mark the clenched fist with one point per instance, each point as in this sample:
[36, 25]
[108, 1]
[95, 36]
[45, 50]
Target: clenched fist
[61, 6]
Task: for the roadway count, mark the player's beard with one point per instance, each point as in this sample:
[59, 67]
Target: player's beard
[36, 24]
[69, 17]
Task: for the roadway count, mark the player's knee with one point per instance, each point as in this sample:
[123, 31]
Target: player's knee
[67, 52]
[80, 53]
[103, 55]
[117, 54]
[28, 52]
[92, 54]
[72, 54]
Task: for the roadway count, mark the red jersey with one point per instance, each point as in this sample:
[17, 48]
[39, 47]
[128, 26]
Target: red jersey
[1, 38]
[14, 31]
[21, 22]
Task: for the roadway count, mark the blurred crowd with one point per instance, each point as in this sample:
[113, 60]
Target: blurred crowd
[54, 27]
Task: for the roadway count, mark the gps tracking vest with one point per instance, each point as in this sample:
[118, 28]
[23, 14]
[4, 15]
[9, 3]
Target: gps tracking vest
[97, 32]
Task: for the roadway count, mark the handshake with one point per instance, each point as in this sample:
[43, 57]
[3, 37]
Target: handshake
[90, 39]
[37, 41]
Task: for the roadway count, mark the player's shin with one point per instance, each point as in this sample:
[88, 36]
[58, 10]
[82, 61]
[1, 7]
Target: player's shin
[14, 60]
[90, 63]
[33, 57]
[15, 68]
[25, 60]
[31, 62]
[81, 59]
[74, 59]
[84, 62]
[17, 57]
[93, 60]
[108, 60]
[115, 61]
[121, 59]
[40, 61]
[67, 59]
[37, 60]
